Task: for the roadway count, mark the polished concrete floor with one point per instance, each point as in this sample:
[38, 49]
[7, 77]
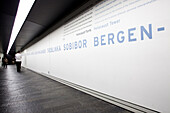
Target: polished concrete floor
[29, 92]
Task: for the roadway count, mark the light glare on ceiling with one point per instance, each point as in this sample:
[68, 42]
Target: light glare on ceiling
[23, 9]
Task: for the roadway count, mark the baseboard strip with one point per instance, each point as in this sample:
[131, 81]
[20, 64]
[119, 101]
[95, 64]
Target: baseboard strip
[113, 100]
[121, 103]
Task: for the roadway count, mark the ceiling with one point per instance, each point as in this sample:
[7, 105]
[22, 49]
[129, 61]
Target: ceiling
[43, 18]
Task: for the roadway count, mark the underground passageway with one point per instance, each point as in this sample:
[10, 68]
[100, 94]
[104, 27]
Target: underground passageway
[29, 92]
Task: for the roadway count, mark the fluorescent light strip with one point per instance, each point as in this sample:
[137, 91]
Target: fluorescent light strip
[23, 9]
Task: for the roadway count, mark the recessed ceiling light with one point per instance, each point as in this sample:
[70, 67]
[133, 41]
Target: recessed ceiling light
[24, 8]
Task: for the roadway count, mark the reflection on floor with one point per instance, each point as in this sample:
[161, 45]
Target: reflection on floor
[29, 92]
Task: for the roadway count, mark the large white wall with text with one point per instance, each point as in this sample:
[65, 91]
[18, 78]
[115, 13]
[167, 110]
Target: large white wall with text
[118, 47]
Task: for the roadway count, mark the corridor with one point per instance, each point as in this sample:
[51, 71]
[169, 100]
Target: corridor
[29, 92]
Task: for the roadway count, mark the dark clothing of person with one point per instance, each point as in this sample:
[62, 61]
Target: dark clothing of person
[18, 64]
[4, 62]
[5, 65]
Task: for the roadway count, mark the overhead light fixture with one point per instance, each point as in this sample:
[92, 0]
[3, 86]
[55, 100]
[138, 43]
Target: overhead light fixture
[24, 8]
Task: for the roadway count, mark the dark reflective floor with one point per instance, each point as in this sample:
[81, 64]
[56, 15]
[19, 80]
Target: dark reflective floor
[29, 92]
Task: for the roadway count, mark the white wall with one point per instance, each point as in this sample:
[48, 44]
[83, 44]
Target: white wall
[129, 66]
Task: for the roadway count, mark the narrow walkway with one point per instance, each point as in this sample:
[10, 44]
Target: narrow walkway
[29, 92]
